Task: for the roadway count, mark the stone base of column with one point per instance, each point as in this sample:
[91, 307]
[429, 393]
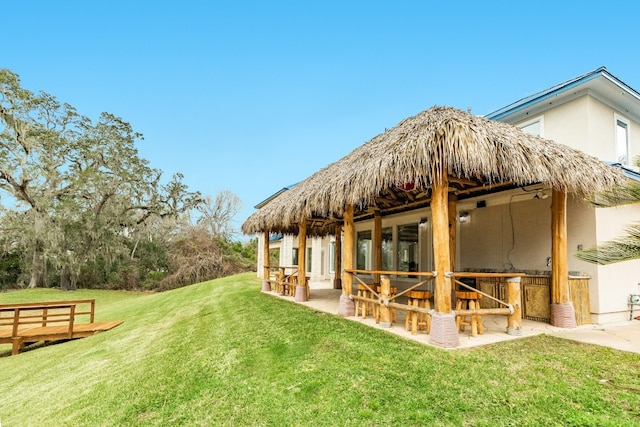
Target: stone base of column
[563, 315]
[337, 283]
[266, 286]
[443, 330]
[346, 308]
[301, 294]
[514, 332]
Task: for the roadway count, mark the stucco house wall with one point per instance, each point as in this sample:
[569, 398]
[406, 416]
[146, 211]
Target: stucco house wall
[588, 123]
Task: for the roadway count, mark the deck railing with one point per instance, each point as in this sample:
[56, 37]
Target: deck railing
[511, 309]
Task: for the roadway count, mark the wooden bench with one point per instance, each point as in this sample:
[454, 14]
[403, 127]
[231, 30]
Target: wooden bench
[25, 323]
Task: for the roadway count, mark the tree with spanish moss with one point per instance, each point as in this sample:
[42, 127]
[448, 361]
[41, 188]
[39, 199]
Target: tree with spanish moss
[79, 188]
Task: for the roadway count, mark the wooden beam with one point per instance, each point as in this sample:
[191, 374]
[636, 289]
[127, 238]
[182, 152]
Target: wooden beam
[406, 206]
[486, 188]
[463, 182]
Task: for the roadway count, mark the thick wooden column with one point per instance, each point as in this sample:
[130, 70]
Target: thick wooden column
[266, 284]
[301, 289]
[337, 281]
[453, 229]
[346, 307]
[562, 311]
[377, 245]
[443, 327]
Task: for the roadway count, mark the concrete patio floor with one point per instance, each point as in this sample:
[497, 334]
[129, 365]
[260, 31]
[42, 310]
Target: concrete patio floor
[621, 336]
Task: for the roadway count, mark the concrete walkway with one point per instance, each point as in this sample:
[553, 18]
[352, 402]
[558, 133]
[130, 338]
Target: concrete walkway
[621, 336]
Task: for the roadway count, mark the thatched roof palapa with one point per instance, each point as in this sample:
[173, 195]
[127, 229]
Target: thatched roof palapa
[479, 156]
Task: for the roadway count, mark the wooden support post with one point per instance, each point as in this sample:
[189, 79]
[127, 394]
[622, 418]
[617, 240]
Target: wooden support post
[346, 307]
[377, 245]
[266, 284]
[337, 281]
[562, 310]
[453, 229]
[301, 289]
[443, 327]
[514, 320]
[385, 293]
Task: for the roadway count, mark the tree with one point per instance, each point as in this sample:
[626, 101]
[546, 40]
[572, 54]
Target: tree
[217, 214]
[81, 185]
[625, 247]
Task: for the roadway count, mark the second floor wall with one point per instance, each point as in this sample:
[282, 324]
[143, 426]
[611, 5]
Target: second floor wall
[590, 125]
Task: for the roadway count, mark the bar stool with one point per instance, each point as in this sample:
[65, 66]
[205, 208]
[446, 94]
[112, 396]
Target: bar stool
[376, 307]
[279, 288]
[418, 320]
[364, 307]
[471, 301]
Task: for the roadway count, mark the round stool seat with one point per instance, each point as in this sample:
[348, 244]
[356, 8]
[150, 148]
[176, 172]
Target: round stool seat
[419, 294]
[468, 295]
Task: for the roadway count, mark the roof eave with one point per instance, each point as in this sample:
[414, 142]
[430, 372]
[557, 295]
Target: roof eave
[539, 97]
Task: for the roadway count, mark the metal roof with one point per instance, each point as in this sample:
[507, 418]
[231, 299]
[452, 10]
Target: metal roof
[599, 83]
[273, 196]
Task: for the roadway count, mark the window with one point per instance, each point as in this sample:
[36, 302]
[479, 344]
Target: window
[387, 249]
[533, 127]
[308, 261]
[408, 247]
[622, 142]
[294, 257]
[363, 254]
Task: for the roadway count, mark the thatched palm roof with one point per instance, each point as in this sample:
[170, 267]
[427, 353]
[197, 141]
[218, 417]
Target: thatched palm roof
[479, 155]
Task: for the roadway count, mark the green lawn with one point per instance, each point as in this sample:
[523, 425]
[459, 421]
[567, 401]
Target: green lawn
[223, 353]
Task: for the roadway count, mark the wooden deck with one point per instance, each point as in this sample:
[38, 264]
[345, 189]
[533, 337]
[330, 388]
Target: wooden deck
[25, 323]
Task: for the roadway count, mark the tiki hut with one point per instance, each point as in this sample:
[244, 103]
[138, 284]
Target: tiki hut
[431, 160]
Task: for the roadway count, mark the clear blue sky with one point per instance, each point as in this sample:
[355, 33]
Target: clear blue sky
[254, 96]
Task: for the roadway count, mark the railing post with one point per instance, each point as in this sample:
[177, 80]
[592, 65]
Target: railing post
[514, 320]
[385, 293]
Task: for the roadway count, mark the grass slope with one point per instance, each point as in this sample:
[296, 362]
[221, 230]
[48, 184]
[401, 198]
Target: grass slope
[223, 353]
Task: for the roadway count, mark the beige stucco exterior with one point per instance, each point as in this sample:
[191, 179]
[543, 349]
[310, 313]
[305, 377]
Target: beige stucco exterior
[588, 123]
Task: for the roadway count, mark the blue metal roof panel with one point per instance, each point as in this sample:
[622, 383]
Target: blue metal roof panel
[273, 196]
[627, 171]
[541, 96]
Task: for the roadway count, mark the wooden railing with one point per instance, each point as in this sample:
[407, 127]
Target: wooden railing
[512, 308]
